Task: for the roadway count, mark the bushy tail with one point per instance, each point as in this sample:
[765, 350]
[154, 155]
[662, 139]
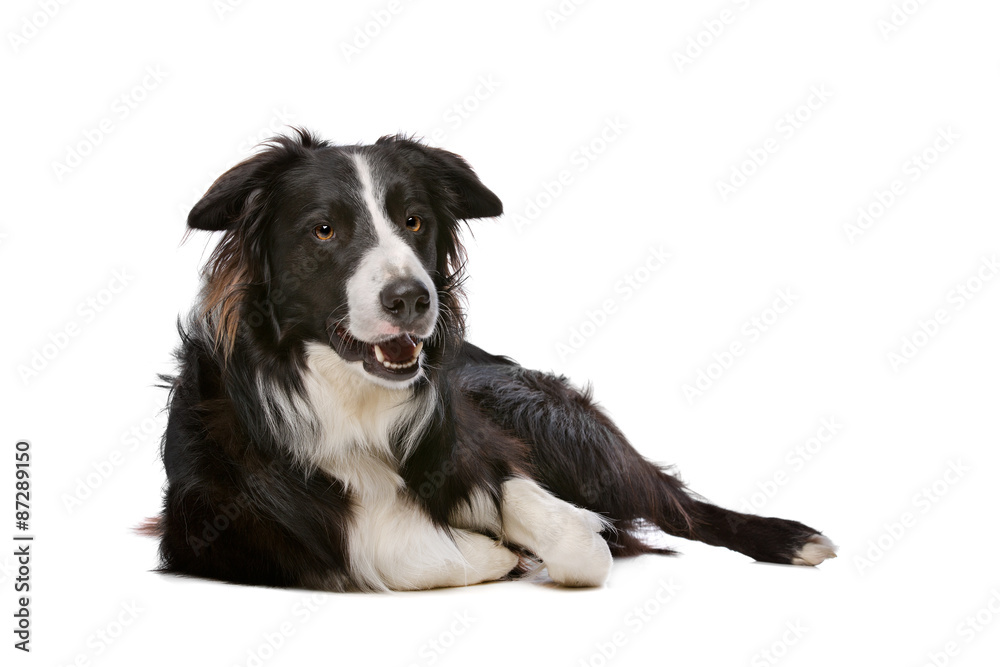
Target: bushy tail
[151, 527]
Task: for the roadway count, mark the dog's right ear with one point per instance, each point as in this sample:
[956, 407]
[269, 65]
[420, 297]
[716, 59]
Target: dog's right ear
[231, 194]
[222, 205]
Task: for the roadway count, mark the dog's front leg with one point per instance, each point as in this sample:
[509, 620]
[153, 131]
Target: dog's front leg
[396, 546]
[566, 538]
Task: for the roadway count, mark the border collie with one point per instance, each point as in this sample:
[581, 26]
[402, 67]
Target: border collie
[331, 428]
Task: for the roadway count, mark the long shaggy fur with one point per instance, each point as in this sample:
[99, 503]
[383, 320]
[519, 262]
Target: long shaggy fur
[281, 452]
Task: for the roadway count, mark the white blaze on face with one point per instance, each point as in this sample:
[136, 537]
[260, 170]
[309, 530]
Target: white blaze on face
[390, 259]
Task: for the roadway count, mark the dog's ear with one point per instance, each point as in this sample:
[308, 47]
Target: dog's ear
[472, 198]
[236, 189]
[222, 205]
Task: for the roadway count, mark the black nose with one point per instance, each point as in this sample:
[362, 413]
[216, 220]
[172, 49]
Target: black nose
[405, 299]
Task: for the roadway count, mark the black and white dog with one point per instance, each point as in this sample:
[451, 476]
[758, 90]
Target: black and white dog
[330, 427]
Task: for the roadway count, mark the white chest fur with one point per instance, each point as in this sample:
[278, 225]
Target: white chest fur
[357, 422]
[392, 542]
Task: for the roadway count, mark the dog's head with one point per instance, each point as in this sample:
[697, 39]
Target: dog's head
[356, 247]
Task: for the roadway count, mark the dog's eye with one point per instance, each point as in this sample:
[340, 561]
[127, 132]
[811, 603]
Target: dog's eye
[323, 232]
[413, 223]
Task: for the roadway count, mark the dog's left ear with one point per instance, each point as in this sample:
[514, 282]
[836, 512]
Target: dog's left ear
[473, 199]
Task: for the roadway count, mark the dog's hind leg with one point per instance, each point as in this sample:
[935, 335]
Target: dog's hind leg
[766, 539]
[636, 491]
[580, 456]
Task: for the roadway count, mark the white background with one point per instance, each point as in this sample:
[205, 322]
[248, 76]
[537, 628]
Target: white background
[203, 82]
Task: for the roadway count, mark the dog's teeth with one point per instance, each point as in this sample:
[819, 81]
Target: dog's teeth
[380, 356]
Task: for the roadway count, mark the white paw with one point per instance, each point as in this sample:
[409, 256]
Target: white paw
[816, 550]
[581, 557]
[487, 559]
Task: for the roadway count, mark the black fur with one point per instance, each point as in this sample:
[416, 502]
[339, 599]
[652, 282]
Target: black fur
[241, 506]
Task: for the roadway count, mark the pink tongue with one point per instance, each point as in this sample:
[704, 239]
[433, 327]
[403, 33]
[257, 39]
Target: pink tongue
[398, 350]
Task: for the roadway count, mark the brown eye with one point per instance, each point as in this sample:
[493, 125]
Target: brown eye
[413, 223]
[323, 232]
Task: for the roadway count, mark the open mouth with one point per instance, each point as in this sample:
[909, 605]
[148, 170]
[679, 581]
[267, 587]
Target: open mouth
[395, 358]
